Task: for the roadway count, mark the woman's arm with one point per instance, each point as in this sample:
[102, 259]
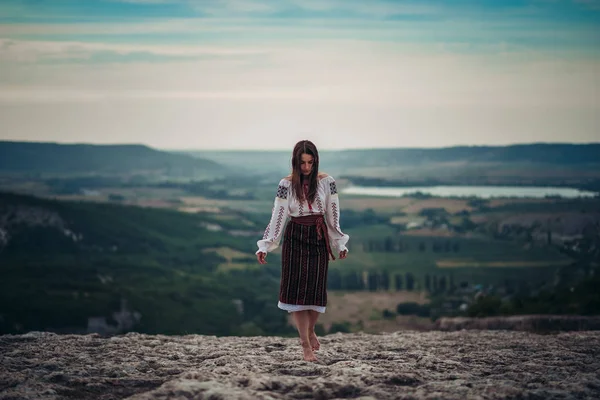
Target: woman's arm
[279, 214]
[332, 212]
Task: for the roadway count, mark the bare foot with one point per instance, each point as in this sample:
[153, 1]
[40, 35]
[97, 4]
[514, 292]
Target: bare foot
[308, 353]
[314, 341]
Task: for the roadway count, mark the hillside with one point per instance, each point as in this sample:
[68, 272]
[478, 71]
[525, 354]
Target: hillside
[547, 153]
[402, 365]
[537, 164]
[80, 266]
[73, 159]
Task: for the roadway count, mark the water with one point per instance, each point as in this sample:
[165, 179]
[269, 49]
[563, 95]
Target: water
[485, 192]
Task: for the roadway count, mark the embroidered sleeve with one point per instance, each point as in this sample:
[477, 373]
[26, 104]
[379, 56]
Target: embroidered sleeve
[279, 214]
[332, 213]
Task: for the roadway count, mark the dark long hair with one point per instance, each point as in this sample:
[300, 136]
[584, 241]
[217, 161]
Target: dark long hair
[304, 147]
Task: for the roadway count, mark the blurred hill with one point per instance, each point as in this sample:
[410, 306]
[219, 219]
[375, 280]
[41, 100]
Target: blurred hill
[79, 159]
[104, 249]
[70, 266]
[553, 164]
[550, 153]
[536, 153]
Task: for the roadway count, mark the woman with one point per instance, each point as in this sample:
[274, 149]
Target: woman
[311, 200]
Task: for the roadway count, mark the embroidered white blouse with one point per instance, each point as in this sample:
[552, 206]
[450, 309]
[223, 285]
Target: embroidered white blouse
[286, 205]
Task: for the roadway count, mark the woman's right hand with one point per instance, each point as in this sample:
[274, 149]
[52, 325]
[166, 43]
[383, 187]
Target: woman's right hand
[261, 257]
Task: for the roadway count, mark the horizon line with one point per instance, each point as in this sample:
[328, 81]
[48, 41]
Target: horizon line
[178, 149]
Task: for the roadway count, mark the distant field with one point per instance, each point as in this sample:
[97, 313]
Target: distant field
[428, 232]
[378, 204]
[408, 205]
[230, 254]
[144, 197]
[244, 223]
[24, 186]
[226, 252]
[472, 252]
[405, 219]
[467, 258]
[260, 206]
[502, 202]
[497, 172]
[145, 192]
[501, 264]
[230, 266]
[413, 206]
[450, 205]
[192, 210]
[368, 306]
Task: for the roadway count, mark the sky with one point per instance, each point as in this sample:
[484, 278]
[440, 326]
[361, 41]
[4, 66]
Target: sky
[262, 74]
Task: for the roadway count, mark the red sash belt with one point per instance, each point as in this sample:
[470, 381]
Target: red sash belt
[319, 221]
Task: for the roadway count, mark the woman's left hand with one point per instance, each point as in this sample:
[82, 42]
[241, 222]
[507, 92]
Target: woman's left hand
[343, 254]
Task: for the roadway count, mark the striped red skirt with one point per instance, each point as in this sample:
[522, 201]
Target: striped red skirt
[304, 262]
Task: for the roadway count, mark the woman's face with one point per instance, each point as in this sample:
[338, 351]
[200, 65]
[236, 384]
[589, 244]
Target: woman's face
[306, 164]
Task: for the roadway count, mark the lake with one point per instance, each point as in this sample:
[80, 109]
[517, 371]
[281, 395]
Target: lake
[485, 192]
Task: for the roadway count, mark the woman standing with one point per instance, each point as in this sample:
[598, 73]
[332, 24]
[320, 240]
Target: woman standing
[310, 198]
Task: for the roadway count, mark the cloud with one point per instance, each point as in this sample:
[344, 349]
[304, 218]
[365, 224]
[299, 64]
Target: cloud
[145, 1]
[268, 124]
[590, 4]
[260, 68]
[299, 8]
[342, 73]
[377, 8]
[460, 34]
[34, 51]
[107, 29]
[235, 8]
[465, 26]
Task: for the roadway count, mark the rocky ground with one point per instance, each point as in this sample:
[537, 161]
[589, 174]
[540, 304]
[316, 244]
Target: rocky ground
[403, 365]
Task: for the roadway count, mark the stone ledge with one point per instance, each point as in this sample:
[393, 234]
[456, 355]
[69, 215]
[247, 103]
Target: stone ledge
[402, 365]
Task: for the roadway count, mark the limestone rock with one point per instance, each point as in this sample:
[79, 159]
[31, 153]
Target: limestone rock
[403, 365]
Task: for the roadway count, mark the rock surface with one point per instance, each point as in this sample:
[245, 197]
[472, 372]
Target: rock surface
[401, 365]
[529, 323]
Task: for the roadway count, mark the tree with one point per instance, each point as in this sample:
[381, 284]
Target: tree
[398, 283]
[442, 284]
[351, 281]
[385, 280]
[584, 250]
[428, 282]
[343, 327]
[485, 306]
[388, 245]
[334, 280]
[373, 281]
[410, 281]
[401, 246]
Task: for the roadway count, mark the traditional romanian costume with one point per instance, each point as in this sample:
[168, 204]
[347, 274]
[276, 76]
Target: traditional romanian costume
[309, 239]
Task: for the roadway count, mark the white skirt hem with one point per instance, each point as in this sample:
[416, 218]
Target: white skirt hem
[297, 307]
